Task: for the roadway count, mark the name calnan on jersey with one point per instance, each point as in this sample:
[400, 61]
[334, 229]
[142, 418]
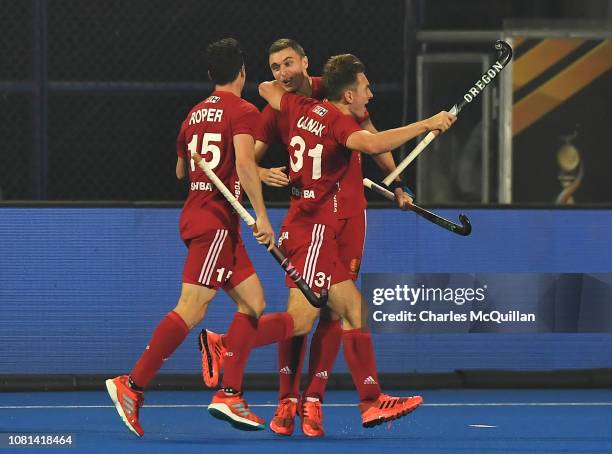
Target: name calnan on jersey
[310, 125]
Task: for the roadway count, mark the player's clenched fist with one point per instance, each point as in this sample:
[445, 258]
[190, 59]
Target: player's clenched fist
[402, 199]
[264, 232]
[441, 121]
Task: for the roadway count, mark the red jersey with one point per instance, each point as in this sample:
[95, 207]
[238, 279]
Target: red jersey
[209, 129]
[318, 157]
[351, 199]
[273, 126]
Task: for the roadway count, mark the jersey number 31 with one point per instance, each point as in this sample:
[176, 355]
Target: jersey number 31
[298, 145]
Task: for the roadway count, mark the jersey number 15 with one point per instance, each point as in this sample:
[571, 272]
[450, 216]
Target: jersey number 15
[207, 147]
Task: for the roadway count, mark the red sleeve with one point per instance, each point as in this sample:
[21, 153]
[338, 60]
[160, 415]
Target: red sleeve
[245, 119]
[343, 127]
[181, 149]
[267, 127]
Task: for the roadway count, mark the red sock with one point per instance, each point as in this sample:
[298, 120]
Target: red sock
[274, 328]
[359, 355]
[290, 359]
[239, 342]
[168, 335]
[324, 348]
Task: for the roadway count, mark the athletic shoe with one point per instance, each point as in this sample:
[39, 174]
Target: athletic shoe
[213, 356]
[386, 408]
[127, 402]
[234, 409]
[312, 419]
[283, 421]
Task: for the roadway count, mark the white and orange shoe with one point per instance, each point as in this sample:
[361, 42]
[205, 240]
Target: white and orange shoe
[234, 409]
[213, 356]
[386, 408]
[127, 402]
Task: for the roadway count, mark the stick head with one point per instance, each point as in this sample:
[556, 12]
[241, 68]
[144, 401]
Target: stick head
[466, 226]
[318, 302]
[504, 51]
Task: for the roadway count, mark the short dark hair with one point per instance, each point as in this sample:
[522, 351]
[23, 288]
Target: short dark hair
[340, 73]
[285, 43]
[225, 60]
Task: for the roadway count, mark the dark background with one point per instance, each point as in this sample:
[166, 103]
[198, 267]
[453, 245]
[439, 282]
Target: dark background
[92, 92]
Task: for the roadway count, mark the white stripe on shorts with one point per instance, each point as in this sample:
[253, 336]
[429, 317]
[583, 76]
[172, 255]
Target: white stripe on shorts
[313, 253]
[316, 257]
[208, 255]
[208, 275]
[313, 240]
[212, 256]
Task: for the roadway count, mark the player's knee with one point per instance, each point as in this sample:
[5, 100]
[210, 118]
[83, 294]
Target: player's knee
[191, 309]
[254, 308]
[260, 308]
[195, 320]
[352, 318]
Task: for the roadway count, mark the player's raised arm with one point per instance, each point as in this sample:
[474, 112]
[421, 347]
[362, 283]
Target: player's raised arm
[387, 164]
[272, 92]
[384, 141]
[384, 160]
[349, 90]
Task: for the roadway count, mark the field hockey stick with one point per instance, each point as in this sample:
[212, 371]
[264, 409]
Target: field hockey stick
[504, 56]
[284, 262]
[463, 229]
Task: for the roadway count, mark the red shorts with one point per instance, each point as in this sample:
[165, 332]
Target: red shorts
[217, 259]
[351, 239]
[313, 250]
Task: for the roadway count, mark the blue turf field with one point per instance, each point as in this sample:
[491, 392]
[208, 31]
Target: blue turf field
[534, 421]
